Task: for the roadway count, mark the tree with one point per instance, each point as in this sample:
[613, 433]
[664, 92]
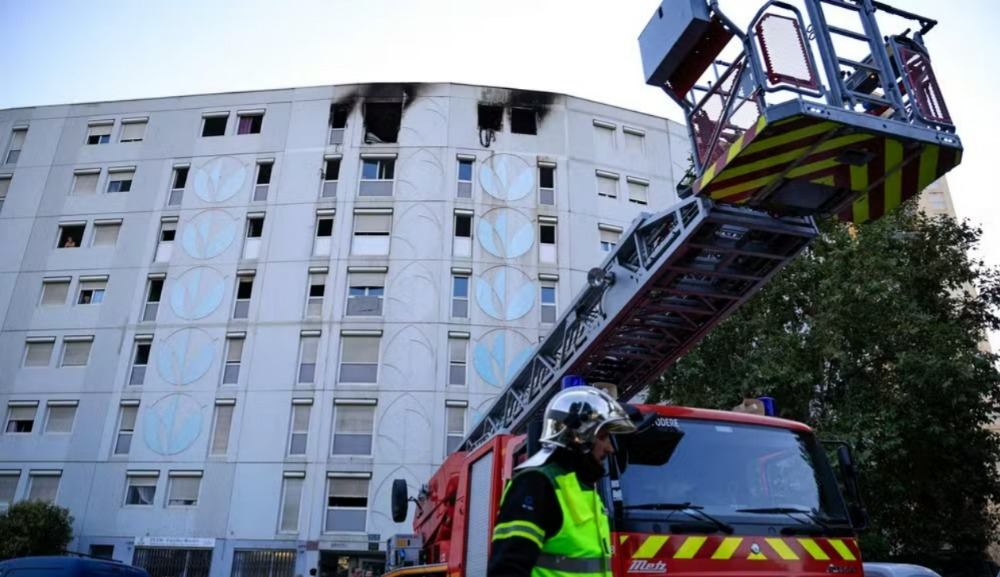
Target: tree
[31, 528]
[872, 335]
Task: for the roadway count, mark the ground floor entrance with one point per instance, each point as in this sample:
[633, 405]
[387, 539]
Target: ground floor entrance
[351, 564]
[173, 562]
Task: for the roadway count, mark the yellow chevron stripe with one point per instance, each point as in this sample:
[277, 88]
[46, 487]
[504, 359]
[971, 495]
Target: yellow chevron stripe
[650, 547]
[727, 548]
[756, 557]
[813, 549]
[622, 539]
[793, 155]
[690, 548]
[928, 166]
[774, 141]
[893, 182]
[843, 549]
[735, 149]
[783, 550]
[709, 174]
[826, 180]
[860, 209]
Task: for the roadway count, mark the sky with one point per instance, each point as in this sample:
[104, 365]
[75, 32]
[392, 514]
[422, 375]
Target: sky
[68, 51]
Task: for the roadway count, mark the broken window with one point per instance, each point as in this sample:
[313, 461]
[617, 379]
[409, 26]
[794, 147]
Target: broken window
[523, 121]
[338, 122]
[490, 117]
[382, 120]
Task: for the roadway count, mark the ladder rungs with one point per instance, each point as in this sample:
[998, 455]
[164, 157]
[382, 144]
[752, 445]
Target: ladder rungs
[859, 65]
[870, 98]
[848, 33]
[842, 4]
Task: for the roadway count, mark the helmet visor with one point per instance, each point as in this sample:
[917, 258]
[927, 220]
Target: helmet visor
[617, 427]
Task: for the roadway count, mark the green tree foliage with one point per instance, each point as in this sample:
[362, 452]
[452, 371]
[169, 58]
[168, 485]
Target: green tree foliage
[32, 528]
[873, 336]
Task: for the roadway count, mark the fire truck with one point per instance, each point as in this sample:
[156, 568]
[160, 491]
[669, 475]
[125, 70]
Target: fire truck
[807, 112]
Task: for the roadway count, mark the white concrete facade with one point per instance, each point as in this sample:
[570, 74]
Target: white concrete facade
[232, 401]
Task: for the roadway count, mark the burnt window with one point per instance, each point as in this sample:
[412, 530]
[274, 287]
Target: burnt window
[382, 120]
[338, 115]
[523, 121]
[490, 117]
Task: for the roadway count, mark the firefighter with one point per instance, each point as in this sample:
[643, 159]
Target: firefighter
[552, 522]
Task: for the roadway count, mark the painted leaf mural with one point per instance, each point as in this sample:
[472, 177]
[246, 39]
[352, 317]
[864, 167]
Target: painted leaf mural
[197, 293]
[506, 233]
[507, 177]
[219, 179]
[209, 234]
[185, 356]
[172, 424]
[504, 293]
[499, 354]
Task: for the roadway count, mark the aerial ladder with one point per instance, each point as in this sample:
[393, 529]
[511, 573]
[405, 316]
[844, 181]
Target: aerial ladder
[808, 112]
[779, 138]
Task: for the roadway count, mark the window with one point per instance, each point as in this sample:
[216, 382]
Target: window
[71, 235]
[462, 243]
[523, 121]
[308, 352]
[638, 190]
[21, 417]
[338, 122]
[371, 233]
[546, 184]
[183, 488]
[214, 124]
[8, 488]
[54, 291]
[250, 122]
[244, 291]
[490, 117]
[120, 180]
[454, 425]
[165, 244]
[85, 182]
[154, 291]
[331, 175]
[635, 140]
[465, 177]
[458, 353]
[460, 297]
[43, 485]
[365, 292]
[353, 426]
[317, 289]
[604, 136]
[347, 504]
[106, 233]
[91, 291]
[102, 551]
[99, 132]
[140, 359]
[382, 120]
[18, 135]
[61, 416]
[377, 176]
[607, 184]
[359, 358]
[299, 430]
[4, 187]
[548, 303]
[547, 241]
[609, 238]
[323, 244]
[291, 502]
[140, 490]
[126, 428]
[263, 180]
[255, 229]
[76, 351]
[133, 129]
[234, 355]
[38, 352]
[177, 185]
[223, 425]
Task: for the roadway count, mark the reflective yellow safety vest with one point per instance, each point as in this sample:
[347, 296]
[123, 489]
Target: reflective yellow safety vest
[582, 547]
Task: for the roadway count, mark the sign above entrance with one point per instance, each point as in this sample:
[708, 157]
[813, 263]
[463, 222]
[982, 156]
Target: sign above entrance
[192, 542]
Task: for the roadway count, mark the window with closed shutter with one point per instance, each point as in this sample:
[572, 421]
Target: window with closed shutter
[126, 428]
[76, 353]
[85, 183]
[299, 433]
[39, 354]
[54, 293]
[308, 351]
[133, 131]
[60, 419]
[353, 426]
[291, 500]
[43, 488]
[455, 428]
[223, 424]
[457, 353]
[106, 234]
[183, 491]
[8, 488]
[359, 360]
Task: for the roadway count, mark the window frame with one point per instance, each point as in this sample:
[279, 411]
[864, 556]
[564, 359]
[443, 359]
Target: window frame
[12, 406]
[129, 475]
[339, 406]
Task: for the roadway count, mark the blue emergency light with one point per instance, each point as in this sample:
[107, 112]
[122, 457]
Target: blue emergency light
[573, 381]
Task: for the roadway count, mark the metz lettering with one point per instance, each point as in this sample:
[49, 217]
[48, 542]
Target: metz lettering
[841, 570]
[643, 566]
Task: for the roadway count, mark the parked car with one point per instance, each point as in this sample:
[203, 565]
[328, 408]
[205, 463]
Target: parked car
[892, 570]
[67, 567]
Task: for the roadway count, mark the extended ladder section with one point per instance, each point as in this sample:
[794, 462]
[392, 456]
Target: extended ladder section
[672, 277]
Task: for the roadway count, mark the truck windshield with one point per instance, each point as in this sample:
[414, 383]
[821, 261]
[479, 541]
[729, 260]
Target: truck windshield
[729, 470]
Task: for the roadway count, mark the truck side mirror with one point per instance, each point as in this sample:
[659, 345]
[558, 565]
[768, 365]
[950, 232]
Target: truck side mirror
[855, 505]
[400, 499]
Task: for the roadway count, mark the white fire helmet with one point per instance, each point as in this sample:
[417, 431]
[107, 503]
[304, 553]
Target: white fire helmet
[575, 416]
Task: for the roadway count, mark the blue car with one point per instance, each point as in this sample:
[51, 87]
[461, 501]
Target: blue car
[67, 567]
